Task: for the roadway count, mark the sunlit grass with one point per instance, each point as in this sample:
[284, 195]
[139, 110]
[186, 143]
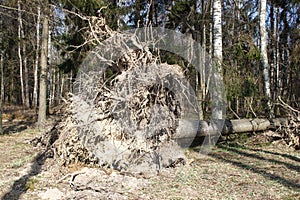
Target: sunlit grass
[20, 162]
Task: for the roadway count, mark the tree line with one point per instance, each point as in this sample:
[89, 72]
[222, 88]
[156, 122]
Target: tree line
[256, 43]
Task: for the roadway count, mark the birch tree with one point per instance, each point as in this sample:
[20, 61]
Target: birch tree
[217, 54]
[264, 51]
[20, 27]
[36, 65]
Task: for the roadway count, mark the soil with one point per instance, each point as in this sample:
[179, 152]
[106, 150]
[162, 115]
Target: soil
[248, 166]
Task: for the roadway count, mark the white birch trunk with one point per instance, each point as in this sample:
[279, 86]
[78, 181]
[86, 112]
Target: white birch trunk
[264, 51]
[36, 66]
[278, 81]
[210, 49]
[217, 32]
[217, 58]
[25, 93]
[19, 52]
[54, 79]
[49, 75]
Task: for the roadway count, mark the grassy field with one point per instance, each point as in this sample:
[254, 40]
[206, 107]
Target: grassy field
[245, 167]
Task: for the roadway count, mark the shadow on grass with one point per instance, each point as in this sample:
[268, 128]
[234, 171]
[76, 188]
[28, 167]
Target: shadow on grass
[247, 160]
[20, 186]
[258, 157]
[17, 127]
[277, 154]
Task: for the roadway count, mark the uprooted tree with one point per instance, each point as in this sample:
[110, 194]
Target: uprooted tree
[128, 110]
[125, 107]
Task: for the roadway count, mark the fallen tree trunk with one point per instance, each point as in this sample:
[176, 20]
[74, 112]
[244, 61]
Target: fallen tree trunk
[196, 128]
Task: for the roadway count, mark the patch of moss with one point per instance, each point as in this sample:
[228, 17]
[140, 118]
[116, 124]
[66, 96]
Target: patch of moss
[30, 184]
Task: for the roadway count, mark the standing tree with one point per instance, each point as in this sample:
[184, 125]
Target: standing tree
[20, 34]
[36, 64]
[264, 52]
[1, 90]
[217, 53]
[43, 74]
[2, 76]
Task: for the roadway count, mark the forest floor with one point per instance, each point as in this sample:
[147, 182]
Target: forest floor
[251, 166]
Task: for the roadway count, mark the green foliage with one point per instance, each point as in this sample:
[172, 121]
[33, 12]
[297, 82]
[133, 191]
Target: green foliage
[249, 87]
[183, 15]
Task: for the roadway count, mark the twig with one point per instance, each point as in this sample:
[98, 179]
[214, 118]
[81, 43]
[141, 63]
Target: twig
[288, 106]
[69, 174]
[235, 114]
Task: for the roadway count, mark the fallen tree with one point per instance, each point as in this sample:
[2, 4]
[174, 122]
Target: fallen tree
[131, 112]
[187, 128]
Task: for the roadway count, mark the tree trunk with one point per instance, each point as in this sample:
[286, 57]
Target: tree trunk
[2, 90]
[217, 32]
[196, 128]
[25, 93]
[278, 80]
[36, 66]
[27, 104]
[217, 57]
[264, 52]
[49, 73]
[20, 26]
[210, 49]
[43, 74]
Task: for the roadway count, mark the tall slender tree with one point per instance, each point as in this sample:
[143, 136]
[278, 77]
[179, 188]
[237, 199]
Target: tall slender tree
[43, 74]
[36, 65]
[1, 90]
[264, 52]
[217, 55]
[20, 29]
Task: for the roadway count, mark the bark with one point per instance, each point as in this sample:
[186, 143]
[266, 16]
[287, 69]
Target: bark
[264, 52]
[2, 76]
[36, 66]
[27, 104]
[217, 31]
[200, 75]
[57, 95]
[278, 81]
[210, 49]
[196, 128]
[217, 58]
[2, 91]
[20, 27]
[49, 74]
[43, 74]
[53, 87]
[24, 80]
